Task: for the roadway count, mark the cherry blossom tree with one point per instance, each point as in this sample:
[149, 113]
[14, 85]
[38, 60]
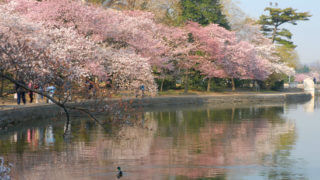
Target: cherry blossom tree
[265, 48]
[133, 31]
[61, 57]
[97, 25]
[203, 52]
[130, 71]
[226, 56]
[135, 44]
[51, 51]
[300, 77]
[121, 29]
[47, 57]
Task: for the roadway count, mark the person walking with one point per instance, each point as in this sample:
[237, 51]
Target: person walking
[21, 93]
[30, 85]
[38, 96]
[142, 90]
[51, 89]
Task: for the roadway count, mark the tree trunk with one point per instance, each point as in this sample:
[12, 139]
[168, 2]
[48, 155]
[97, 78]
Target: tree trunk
[289, 79]
[233, 84]
[209, 84]
[186, 82]
[2, 85]
[274, 33]
[161, 86]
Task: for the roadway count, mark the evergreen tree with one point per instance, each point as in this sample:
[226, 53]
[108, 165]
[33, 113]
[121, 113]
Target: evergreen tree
[204, 12]
[271, 24]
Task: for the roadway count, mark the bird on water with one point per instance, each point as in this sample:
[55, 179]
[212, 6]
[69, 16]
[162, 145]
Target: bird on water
[120, 173]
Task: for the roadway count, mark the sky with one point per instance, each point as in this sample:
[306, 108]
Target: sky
[306, 35]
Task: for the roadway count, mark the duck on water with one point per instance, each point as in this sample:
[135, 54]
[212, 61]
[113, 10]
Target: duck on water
[120, 173]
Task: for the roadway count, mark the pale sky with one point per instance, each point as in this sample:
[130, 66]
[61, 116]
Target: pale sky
[306, 35]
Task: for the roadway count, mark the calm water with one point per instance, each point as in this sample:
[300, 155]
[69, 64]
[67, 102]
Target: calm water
[246, 142]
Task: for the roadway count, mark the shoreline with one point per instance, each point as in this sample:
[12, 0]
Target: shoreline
[16, 114]
[224, 99]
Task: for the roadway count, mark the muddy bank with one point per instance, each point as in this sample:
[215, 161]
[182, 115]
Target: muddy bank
[13, 115]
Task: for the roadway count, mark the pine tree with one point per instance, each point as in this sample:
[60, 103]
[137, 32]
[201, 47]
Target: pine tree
[204, 12]
[271, 24]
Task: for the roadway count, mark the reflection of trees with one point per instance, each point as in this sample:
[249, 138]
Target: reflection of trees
[218, 177]
[131, 142]
[310, 105]
[317, 102]
[281, 166]
[171, 123]
[90, 146]
[186, 144]
[218, 138]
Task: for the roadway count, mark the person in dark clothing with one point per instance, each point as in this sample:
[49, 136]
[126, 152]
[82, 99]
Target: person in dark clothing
[142, 90]
[21, 93]
[30, 85]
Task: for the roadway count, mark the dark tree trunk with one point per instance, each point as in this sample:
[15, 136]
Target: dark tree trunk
[274, 33]
[233, 84]
[161, 86]
[2, 85]
[209, 85]
[186, 82]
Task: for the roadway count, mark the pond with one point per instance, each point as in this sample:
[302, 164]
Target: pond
[266, 141]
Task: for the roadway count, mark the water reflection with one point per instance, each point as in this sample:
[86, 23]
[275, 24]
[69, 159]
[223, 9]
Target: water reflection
[310, 105]
[33, 138]
[5, 170]
[223, 139]
[178, 144]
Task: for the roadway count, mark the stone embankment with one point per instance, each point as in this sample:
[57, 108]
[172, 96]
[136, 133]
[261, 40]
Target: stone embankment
[224, 99]
[13, 114]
